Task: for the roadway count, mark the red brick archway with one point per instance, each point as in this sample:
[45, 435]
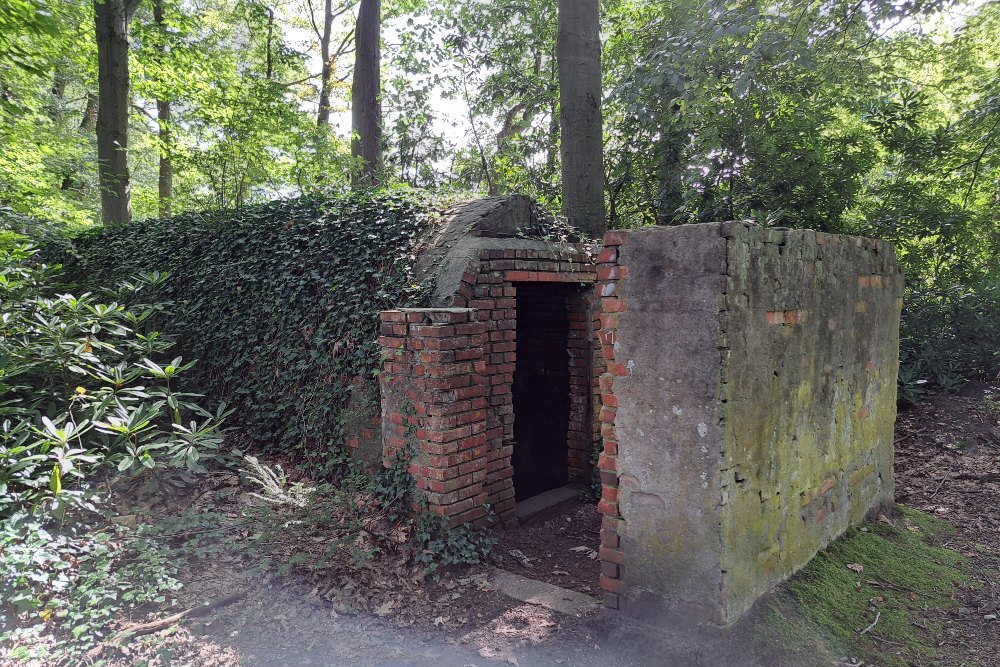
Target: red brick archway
[448, 373]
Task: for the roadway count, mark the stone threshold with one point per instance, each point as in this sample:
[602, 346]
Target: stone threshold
[531, 591]
[528, 509]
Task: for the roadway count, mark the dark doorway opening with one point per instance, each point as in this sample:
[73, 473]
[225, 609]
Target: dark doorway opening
[541, 389]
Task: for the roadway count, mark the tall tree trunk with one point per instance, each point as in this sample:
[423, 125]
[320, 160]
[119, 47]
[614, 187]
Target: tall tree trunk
[366, 107]
[270, 43]
[579, 60]
[166, 176]
[323, 117]
[89, 120]
[111, 18]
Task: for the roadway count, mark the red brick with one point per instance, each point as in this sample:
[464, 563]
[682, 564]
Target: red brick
[392, 316]
[612, 585]
[607, 255]
[610, 555]
[615, 238]
[432, 330]
[612, 304]
[607, 462]
[610, 540]
[604, 507]
[618, 369]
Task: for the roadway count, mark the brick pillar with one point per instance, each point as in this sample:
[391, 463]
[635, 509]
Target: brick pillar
[434, 405]
[612, 525]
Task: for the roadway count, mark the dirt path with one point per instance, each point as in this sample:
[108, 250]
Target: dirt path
[948, 464]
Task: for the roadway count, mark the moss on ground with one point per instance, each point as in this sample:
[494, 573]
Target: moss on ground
[906, 581]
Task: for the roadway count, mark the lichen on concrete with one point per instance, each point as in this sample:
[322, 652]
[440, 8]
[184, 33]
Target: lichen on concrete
[755, 411]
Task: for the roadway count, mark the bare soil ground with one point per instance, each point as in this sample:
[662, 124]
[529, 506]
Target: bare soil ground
[947, 464]
[561, 548]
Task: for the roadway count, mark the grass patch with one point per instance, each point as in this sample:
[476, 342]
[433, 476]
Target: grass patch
[906, 581]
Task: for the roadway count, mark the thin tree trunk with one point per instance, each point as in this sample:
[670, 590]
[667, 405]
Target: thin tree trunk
[323, 117]
[366, 108]
[270, 40]
[89, 120]
[552, 150]
[166, 175]
[111, 18]
[58, 95]
[579, 60]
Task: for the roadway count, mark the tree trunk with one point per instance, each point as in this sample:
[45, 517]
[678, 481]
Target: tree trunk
[270, 43]
[366, 107]
[89, 120]
[166, 176]
[323, 118]
[111, 18]
[579, 61]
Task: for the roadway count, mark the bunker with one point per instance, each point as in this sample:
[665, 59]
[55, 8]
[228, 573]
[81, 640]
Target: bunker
[734, 384]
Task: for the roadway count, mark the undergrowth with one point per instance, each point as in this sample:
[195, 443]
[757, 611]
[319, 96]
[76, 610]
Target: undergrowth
[360, 522]
[887, 614]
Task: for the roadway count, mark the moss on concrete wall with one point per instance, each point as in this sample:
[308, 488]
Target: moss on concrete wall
[754, 390]
[811, 349]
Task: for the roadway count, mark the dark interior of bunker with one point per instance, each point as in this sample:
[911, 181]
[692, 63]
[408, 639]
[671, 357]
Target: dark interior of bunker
[541, 390]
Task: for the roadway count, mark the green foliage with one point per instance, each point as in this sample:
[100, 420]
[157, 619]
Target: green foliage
[280, 303]
[440, 544]
[353, 524]
[82, 394]
[240, 131]
[948, 335]
[73, 585]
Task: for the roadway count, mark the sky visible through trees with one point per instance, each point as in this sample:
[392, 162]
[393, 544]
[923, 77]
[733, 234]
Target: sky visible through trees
[879, 117]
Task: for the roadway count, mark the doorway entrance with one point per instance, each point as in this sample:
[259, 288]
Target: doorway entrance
[541, 389]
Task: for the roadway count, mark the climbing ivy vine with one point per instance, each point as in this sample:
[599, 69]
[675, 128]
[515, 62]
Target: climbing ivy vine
[279, 302]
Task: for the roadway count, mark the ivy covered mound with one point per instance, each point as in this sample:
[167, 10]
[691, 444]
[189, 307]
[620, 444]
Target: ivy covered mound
[278, 302]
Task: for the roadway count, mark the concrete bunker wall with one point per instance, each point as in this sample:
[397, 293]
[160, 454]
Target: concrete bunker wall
[747, 408]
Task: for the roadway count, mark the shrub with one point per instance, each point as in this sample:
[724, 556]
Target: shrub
[82, 392]
[72, 585]
[353, 525]
[280, 302]
[948, 335]
[88, 401]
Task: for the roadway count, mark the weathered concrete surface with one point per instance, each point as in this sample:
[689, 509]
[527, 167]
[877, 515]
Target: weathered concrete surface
[668, 419]
[811, 323]
[470, 228]
[755, 407]
[543, 594]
